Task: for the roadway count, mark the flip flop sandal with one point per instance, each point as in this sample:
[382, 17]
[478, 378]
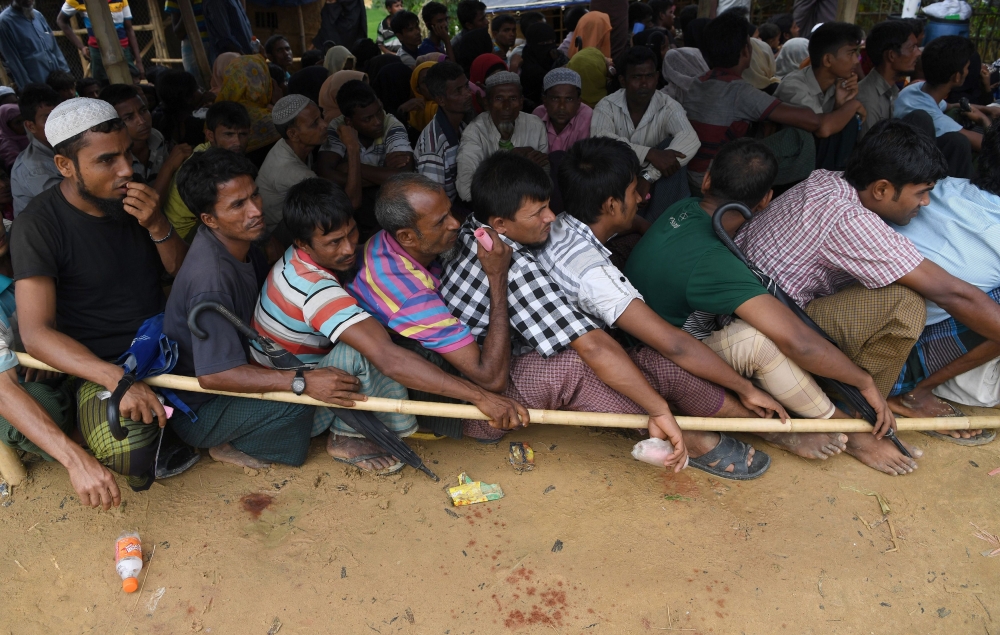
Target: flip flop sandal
[984, 437]
[955, 412]
[426, 436]
[355, 461]
[732, 451]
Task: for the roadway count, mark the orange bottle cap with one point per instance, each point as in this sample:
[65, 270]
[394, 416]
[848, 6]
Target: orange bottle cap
[129, 585]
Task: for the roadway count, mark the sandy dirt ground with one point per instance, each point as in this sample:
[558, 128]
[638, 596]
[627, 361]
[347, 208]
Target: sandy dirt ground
[590, 541]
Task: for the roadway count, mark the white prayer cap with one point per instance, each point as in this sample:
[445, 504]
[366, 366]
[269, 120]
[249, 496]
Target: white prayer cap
[6, 90]
[501, 78]
[288, 108]
[76, 115]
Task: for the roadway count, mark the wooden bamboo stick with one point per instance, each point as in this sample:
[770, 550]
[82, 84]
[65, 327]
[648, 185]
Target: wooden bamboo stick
[112, 54]
[570, 418]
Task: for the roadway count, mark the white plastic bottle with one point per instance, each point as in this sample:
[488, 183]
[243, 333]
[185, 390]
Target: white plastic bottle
[128, 560]
[653, 451]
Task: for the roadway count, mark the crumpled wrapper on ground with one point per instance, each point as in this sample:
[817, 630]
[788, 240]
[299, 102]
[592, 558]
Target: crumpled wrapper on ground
[469, 491]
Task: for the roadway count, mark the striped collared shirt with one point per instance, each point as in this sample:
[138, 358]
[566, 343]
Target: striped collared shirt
[437, 152]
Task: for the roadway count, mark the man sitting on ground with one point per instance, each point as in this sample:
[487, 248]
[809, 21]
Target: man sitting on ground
[653, 124]
[827, 244]
[707, 291]
[89, 256]
[384, 148]
[34, 170]
[566, 118]
[437, 147]
[227, 126]
[219, 186]
[551, 336]
[502, 127]
[893, 49]
[503, 28]
[304, 308]
[300, 123]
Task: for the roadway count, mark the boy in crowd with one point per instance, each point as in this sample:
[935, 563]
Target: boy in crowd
[438, 40]
[504, 30]
[386, 39]
[406, 26]
[34, 170]
[437, 147]
[471, 15]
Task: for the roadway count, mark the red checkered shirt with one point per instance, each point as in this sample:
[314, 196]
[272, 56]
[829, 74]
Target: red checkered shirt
[818, 238]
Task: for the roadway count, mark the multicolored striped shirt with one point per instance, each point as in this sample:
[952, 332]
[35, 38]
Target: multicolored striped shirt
[170, 6]
[119, 13]
[303, 308]
[404, 296]
[7, 316]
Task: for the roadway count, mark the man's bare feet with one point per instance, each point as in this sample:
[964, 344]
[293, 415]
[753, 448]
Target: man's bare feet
[918, 404]
[348, 448]
[226, 453]
[699, 443]
[882, 454]
[808, 445]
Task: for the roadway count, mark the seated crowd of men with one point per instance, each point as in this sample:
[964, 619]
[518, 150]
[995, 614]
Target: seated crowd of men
[606, 288]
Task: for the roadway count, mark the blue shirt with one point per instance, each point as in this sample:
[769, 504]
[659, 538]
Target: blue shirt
[7, 358]
[428, 47]
[29, 47]
[960, 232]
[912, 98]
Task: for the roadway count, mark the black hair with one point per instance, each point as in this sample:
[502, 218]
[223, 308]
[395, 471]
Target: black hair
[886, 36]
[149, 95]
[945, 56]
[743, 12]
[199, 178]
[897, 152]
[594, 170]
[315, 204]
[118, 93]
[35, 95]
[528, 18]
[270, 43]
[501, 21]
[277, 73]
[71, 147]
[830, 37]
[768, 31]
[503, 182]
[61, 80]
[430, 10]
[439, 75]
[230, 114]
[389, 3]
[918, 25]
[353, 95]
[403, 20]
[175, 88]
[660, 7]
[686, 15]
[784, 22]
[393, 210]
[653, 38]
[467, 11]
[573, 16]
[312, 57]
[743, 171]
[85, 82]
[723, 40]
[634, 56]
[638, 12]
[988, 166]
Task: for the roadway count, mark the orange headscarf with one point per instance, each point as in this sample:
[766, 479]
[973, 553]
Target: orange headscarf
[219, 69]
[421, 117]
[328, 92]
[595, 31]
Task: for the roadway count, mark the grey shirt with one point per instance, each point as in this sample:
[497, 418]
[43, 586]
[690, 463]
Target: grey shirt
[280, 171]
[877, 96]
[34, 172]
[800, 88]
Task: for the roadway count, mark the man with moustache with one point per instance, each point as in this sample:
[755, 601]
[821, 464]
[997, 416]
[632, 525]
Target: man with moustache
[218, 186]
[89, 257]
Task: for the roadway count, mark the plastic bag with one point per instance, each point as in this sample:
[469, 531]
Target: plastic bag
[653, 451]
[949, 10]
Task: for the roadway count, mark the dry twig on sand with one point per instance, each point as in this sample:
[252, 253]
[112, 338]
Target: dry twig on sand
[994, 540]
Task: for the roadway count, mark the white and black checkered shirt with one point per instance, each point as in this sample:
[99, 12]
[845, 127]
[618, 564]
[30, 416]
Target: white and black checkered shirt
[541, 316]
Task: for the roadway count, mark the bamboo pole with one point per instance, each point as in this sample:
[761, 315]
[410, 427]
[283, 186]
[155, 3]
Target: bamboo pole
[11, 467]
[4, 79]
[112, 54]
[570, 418]
[704, 8]
[194, 36]
[156, 22]
[847, 10]
[84, 62]
[302, 30]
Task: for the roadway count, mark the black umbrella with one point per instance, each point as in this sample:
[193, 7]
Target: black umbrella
[850, 393]
[362, 421]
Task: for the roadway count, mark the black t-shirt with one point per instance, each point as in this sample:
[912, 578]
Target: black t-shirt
[210, 273]
[107, 273]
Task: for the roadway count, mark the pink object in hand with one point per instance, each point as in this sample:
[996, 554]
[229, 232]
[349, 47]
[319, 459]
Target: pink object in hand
[484, 239]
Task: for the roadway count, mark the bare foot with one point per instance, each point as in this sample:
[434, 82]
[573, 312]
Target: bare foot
[882, 454]
[349, 447]
[699, 443]
[917, 404]
[226, 453]
[808, 445]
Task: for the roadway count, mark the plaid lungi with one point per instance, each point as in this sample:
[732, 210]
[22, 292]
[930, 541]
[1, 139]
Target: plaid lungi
[876, 328]
[56, 397]
[939, 345]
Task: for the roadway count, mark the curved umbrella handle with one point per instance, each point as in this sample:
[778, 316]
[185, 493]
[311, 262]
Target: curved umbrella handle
[197, 331]
[721, 233]
[114, 423]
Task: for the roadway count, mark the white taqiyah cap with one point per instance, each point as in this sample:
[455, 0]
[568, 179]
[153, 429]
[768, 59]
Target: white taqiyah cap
[76, 115]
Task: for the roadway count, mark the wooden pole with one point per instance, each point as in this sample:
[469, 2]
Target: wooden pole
[4, 79]
[847, 10]
[194, 36]
[84, 62]
[159, 37]
[569, 418]
[112, 54]
[704, 8]
[11, 467]
[302, 30]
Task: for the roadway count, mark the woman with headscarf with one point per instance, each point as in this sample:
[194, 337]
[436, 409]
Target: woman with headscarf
[308, 82]
[328, 92]
[593, 30]
[592, 66]
[247, 81]
[483, 66]
[760, 73]
[681, 67]
[538, 58]
[791, 56]
[339, 58]
[420, 117]
[12, 136]
[219, 69]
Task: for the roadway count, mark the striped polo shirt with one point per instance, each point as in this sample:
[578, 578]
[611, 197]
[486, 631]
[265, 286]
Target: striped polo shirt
[303, 308]
[120, 12]
[404, 296]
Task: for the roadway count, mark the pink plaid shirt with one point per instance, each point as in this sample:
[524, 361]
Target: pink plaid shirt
[817, 238]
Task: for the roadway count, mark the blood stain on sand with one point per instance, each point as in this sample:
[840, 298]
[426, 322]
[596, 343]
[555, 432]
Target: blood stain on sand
[256, 503]
[680, 484]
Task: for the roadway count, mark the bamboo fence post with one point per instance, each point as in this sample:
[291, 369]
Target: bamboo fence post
[194, 36]
[84, 62]
[11, 467]
[112, 54]
[302, 30]
[156, 21]
[704, 8]
[4, 79]
[847, 10]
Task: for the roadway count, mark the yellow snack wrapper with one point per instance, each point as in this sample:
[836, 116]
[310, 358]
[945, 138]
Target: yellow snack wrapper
[469, 491]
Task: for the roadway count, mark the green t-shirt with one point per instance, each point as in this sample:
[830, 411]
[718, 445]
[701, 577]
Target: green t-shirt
[680, 266]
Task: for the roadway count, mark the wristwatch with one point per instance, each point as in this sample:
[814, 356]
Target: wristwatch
[647, 176]
[299, 382]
